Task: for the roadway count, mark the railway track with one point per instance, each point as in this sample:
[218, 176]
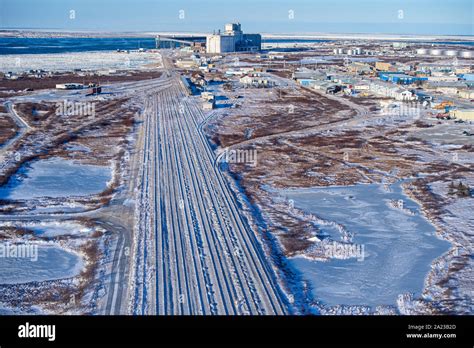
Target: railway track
[194, 253]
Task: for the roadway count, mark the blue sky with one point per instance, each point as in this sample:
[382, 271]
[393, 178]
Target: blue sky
[448, 17]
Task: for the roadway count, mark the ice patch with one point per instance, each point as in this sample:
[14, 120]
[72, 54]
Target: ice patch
[56, 178]
[52, 263]
[399, 247]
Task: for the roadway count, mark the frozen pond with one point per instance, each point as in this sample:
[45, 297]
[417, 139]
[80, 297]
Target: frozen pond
[55, 229]
[398, 247]
[46, 263]
[55, 178]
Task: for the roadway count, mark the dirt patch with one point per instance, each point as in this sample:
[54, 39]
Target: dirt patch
[49, 82]
[277, 112]
[8, 128]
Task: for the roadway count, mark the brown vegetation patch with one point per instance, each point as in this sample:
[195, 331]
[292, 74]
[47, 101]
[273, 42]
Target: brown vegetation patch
[49, 82]
[8, 128]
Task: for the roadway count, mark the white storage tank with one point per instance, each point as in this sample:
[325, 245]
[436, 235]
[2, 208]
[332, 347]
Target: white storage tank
[466, 54]
[422, 51]
[451, 53]
[436, 52]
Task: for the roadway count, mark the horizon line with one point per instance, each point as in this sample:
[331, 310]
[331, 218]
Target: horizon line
[289, 34]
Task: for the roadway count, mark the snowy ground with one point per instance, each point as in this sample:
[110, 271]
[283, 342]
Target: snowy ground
[54, 229]
[448, 133]
[79, 60]
[417, 246]
[77, 176]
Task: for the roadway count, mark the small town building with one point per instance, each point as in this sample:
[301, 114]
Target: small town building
[463, 114]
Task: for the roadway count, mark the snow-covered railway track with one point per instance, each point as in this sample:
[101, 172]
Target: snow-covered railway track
[245, 239]
[193, 251]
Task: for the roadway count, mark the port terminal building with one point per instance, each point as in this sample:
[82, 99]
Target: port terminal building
[233, 40]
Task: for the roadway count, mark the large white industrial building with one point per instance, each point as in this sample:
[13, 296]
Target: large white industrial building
[233, 40]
